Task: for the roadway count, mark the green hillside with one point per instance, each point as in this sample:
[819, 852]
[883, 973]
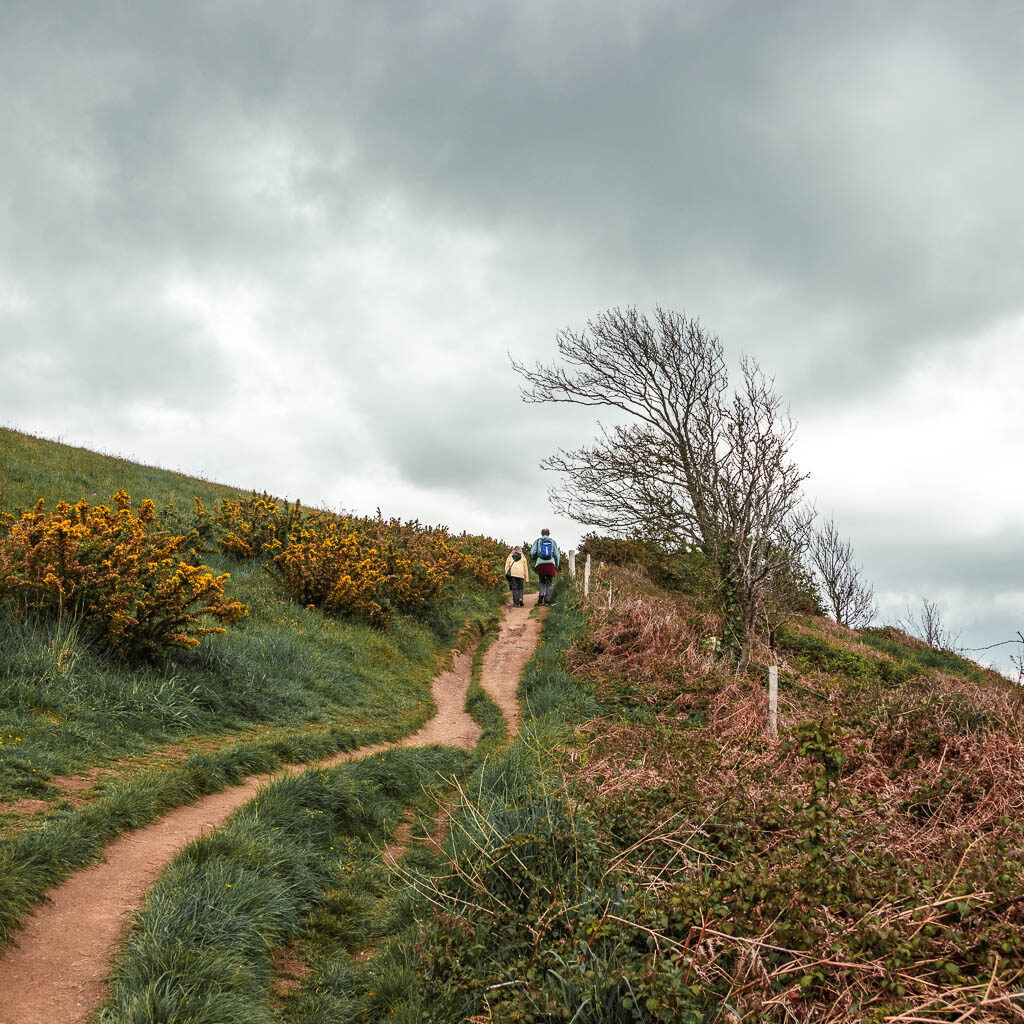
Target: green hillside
[644, 850]
[32, 468]
[96, 738]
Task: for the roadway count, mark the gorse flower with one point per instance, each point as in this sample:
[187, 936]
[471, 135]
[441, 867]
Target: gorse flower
[370, 568]
[116, 571]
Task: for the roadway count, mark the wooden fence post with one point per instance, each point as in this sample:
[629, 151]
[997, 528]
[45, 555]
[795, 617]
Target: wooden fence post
[773, 702]
[572, 564]
[586, 577]
[609, 595]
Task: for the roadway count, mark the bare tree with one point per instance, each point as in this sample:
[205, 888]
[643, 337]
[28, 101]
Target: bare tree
[694, 464]
[850, 597]
[927, 625]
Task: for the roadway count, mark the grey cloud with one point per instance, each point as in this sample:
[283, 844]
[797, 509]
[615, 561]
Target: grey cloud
[994, 562]
[776, 144]
[738, 139]
[976, 581]
[92, 348]
[831, 186]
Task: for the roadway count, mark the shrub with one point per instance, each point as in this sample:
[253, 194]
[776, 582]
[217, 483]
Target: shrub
[621, 550]
[258, 525]
[374, 568]
[370, 568]
[812, 652]
[116, 572]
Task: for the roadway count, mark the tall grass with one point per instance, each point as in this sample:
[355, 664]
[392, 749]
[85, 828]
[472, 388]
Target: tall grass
[378, 690]
[201, 952]
[71, 708]
[514, 920]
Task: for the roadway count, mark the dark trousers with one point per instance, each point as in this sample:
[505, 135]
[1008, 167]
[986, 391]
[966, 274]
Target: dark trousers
[516, 586]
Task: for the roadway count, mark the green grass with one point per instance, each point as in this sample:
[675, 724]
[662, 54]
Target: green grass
[519, 894]
[71, 708]
[202, 952]
[43, 852]
[365, 687]
[888, 640]
[33, 467]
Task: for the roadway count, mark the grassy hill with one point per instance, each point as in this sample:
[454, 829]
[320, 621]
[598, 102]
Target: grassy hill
[93, 742]
[868, 865]
[33, 467]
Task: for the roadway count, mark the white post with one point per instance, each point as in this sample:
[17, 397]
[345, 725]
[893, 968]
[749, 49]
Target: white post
[572, 563]
[609, 595]
[586, 577]
[773, 702]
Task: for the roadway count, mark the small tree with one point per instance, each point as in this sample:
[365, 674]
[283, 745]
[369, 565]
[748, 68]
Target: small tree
[850, 597]
[927, 625]
[693, 466]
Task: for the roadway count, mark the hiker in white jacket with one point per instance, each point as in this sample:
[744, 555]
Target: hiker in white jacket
[516, 574]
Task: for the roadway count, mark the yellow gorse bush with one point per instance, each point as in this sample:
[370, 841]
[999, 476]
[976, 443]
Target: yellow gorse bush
[115, 571]
[355, 566]
[258, 525]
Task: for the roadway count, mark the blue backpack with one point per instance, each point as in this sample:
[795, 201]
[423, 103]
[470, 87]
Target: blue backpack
[547, 547]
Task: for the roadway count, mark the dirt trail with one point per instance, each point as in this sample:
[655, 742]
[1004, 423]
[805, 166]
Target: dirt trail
[505, 660]
[54, 974]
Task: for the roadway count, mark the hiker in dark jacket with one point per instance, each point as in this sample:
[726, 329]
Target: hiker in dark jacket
[546, 560]
[516, 573]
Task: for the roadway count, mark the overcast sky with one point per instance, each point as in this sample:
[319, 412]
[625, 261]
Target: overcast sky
[289, 246]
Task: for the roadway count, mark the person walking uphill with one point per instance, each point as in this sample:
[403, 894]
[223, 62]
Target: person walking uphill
[546, 560]
[515, 573]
